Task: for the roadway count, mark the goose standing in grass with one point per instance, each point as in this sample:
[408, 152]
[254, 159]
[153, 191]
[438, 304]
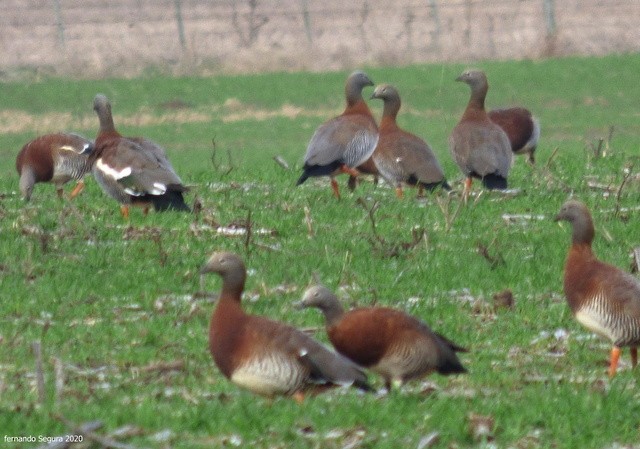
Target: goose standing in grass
[54, 158]
[133, 170]
[343, 143]
[479, 146]
[602, 298]
[521, 127]
[402, 157]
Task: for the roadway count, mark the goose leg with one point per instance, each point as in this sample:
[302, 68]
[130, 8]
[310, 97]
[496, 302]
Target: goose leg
[467, 189]
[344, 168]
[298, 396]
[634, 356]
[77, 189]
[124, 210]
[613, 365]
[335, 188]
[352, 183]
[399, 192]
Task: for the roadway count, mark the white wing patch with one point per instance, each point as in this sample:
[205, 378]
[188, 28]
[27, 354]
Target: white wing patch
[67, 148]
[158, 189]
[130, 191]
[112, 172]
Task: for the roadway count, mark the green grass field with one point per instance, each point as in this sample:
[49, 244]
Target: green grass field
[119, 306]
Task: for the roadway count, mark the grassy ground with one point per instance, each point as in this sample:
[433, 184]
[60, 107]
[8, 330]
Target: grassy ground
[119, 306]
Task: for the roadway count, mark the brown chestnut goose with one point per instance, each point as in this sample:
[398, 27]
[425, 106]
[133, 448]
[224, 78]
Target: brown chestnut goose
[389, 342]
[521, 127]
[603, 298]
[55, 158]
[264, 356]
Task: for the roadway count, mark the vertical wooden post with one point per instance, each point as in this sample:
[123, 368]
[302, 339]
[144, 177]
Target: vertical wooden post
[550, 38]
[306, 19]
[550, 16]
[59, 23]
[435, 35]
[178, 5]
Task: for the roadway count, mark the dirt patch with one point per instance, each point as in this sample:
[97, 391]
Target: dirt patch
[17, 121]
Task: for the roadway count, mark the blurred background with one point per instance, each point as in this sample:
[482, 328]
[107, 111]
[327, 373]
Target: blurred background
[127, 38]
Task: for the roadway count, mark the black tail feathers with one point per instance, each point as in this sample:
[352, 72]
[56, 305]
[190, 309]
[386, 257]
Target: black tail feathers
[494, 181]
[171, 200]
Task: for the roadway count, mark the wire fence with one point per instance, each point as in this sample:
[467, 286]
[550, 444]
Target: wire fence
[92, 38]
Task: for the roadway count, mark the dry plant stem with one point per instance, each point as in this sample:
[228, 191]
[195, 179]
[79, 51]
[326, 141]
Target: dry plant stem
[449, 217]
[214, 162]
[371, 212]
[37, 353]
[58, 371]
[176, 365]
[552, 157]
[281, 162]
[609, 137]
[162, 254]
[494, 261]
[309, 221]
[248, 235]
[597, 151]
[625, 177]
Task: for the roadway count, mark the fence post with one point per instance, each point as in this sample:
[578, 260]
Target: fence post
[306, 18]
[59, 23]
[550, 16]
[435, 35]
[178, 5]
[551, 36]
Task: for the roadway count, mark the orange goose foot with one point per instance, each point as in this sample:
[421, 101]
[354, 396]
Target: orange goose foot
[613, 365]
[399, 192]
[467, 189]
[335, 188]
[298, 396]
[124, 210]
[77, 189]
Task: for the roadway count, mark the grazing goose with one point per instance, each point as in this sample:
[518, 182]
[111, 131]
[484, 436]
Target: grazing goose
[391, 343]
[55, 158]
